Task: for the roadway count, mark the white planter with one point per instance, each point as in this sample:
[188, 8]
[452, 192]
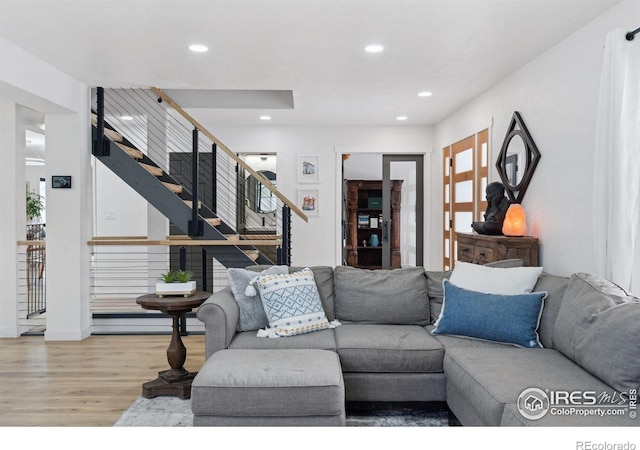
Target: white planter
[184, 289]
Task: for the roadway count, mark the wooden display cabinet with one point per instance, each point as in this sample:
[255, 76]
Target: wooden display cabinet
[364, 199]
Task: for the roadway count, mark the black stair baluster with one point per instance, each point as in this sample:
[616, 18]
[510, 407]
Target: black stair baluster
[195, 226]
[214, 177]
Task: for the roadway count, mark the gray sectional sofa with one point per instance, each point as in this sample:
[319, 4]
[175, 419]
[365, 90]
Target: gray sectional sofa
[587, 374]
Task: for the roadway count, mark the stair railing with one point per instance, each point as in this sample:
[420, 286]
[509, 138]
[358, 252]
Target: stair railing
[231, 154]
[158, 127]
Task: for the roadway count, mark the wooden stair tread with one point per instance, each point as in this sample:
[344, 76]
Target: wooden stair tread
[213, 221]
[175, 188]
[133, 152]
[253, 254]
[189, 203]
[153, 170]
[113, 135]
[267, 237]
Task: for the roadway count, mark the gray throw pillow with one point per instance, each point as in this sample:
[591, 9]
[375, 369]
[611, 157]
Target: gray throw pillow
[598, 327]
[252, 315]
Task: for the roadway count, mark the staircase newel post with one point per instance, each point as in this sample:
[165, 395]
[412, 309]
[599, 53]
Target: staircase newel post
[204, 270]
[100, 125]
[285, 252]
[214, 177]
[194, 228]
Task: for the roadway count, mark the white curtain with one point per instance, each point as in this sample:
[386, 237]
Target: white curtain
[617, 163]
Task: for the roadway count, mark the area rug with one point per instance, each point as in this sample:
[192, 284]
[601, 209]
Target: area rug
[176, 412]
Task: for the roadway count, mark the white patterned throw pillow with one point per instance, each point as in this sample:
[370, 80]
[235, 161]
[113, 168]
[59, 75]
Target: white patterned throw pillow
[291, 302]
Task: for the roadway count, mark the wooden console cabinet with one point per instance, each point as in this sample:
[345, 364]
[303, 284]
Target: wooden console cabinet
[482, 249]
[364, 199]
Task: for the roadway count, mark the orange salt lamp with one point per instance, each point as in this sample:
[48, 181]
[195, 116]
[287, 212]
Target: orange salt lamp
[515, 222]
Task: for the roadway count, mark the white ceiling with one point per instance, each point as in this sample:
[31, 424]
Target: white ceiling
[455, 49]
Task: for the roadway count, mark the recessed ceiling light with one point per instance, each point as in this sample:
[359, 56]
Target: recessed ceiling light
[425, 94]
[198, 48]
[126, 118]
[401, 118]
[265, 117]
[373, 48]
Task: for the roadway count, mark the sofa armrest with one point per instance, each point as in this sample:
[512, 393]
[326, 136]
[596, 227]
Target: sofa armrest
[220, 314]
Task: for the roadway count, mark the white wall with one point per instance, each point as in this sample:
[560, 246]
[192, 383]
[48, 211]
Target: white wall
[28, 81]
[556, 95]
[317, 242]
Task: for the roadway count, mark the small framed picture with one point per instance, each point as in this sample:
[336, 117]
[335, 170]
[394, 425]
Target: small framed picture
[308, 201]
[308, 169]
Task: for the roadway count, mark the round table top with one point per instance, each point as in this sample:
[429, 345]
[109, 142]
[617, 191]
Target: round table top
[173, 303]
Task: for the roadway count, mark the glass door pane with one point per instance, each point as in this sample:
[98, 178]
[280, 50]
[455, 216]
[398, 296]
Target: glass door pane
[402, 211]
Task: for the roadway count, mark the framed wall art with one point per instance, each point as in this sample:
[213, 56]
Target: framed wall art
[308, 201]
[308, 169]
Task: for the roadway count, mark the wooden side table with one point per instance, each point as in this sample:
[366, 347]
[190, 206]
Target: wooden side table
[177, 380]
[481, 248]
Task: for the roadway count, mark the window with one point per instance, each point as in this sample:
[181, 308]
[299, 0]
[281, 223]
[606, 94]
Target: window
[465, 178]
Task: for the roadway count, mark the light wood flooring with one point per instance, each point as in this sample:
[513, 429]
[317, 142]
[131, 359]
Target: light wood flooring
[81, 383]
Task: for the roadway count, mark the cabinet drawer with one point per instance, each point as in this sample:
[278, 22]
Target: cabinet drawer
[483, 255]
[465, 252]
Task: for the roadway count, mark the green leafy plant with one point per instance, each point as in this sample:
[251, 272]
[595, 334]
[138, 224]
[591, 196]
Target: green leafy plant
[177, 276]
[35, 205]
[182, 276]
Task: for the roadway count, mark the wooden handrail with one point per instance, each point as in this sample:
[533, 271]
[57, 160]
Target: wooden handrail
[231, 154]
[181, 242]
[116, 238]
[32, 242]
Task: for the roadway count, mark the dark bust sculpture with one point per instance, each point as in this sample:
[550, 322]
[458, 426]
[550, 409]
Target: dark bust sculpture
[497, 205]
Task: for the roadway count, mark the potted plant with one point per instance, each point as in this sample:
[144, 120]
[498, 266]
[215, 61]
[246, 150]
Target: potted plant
[35, 205]
[176, 282]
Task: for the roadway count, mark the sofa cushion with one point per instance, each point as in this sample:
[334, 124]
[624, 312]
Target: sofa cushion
[388, 348]
[292, 303]
[509, 319]
[269, 383]
[598, 326]
[486, 379]
[324, 281]
[463, 342]
[396, 296]
[495, 280]
[322, 340]
[554, 286]
[252, 315]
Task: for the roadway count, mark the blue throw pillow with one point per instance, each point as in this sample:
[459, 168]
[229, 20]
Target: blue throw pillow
[509, 319]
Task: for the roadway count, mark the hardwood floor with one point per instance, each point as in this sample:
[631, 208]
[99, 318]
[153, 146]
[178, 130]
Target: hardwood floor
[81, 383]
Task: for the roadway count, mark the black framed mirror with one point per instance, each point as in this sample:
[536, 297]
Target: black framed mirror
[518, 159]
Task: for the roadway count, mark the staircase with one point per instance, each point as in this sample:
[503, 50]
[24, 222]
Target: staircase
[173, 200]
[141, 161]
